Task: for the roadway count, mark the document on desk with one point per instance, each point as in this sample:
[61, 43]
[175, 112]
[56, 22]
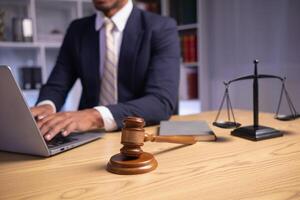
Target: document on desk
[199, 129]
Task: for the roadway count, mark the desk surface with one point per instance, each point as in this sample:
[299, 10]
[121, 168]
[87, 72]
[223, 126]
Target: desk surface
[231, 168]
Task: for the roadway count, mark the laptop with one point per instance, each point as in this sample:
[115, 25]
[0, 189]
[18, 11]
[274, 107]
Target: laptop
[18, 130]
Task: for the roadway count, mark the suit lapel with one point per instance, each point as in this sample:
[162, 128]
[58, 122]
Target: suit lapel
[131, 42]
[90, 60]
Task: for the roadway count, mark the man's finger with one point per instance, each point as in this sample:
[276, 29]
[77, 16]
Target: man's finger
[52, 132]
[42, 122]
[60, 126]
[43, 115]
[41, 111]
[51, 122]
[71, 127]
[36, 111]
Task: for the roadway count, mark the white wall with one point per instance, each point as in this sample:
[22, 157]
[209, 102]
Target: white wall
[233, 33]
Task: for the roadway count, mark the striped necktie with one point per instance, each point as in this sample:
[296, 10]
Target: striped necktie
[108, 93]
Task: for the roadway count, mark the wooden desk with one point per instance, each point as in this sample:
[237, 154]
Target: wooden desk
[231, 168]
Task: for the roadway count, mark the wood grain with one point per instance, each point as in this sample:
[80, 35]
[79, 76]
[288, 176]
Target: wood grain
[231, 168]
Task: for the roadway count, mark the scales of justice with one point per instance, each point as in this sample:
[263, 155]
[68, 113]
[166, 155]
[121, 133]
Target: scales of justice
[255, 132]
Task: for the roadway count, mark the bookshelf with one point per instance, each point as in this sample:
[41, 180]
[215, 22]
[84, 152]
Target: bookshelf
[185, 13]
[50, 18]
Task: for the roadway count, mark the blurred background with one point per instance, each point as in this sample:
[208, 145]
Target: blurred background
[219, 41]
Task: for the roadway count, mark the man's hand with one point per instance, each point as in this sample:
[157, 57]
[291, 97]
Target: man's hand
[67, 122]
[42, 111]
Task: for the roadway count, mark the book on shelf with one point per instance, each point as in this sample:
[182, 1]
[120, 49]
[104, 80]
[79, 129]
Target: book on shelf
[192, 82]
[2, 25]
[188, 87]
[36, 79]
[31, 77]
[22, 29]
[188, 43]
[25, 78]
[184, 11]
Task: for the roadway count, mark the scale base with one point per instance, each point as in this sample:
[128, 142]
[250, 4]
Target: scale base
[256, 133]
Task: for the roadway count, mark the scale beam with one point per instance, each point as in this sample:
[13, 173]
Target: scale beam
[259, 76]
[270, 76]
[241, 79]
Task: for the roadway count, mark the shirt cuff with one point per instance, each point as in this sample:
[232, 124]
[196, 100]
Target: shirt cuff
[48, 102]
[108, 119]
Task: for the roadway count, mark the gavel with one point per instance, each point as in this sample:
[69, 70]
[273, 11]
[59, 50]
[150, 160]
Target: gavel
[134, 136]
[132, 159]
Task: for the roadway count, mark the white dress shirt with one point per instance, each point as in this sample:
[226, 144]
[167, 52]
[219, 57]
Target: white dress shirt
[119, 20]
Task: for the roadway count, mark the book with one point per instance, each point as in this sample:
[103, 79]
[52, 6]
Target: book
[27, 30]
[17, 29]
[22, 29]
[184, 12]
[36, 78]
[186, 49]
[188, 83]
[183, 87]
[2, 25]
[192, 82]
[188, 43]
[198, 129]
[26, 83]
[193, 47]
[31, 77]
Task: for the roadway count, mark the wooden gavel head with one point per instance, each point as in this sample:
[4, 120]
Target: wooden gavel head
[132, 138]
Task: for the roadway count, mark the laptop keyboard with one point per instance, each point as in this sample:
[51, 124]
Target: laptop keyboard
[59, 140]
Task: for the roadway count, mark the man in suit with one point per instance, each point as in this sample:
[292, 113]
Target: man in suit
[128, 63]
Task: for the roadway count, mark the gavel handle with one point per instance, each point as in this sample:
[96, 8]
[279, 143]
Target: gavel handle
[171, 139]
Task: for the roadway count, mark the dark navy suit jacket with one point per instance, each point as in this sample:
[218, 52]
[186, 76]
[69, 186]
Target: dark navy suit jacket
[148, 69]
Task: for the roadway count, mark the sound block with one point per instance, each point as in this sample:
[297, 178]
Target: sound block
[124, 165]
[256, 133]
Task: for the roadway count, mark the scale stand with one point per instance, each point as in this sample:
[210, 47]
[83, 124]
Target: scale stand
[255, 132]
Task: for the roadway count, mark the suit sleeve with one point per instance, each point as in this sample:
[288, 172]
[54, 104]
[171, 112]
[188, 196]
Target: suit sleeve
[161, 88]
[63, 75]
